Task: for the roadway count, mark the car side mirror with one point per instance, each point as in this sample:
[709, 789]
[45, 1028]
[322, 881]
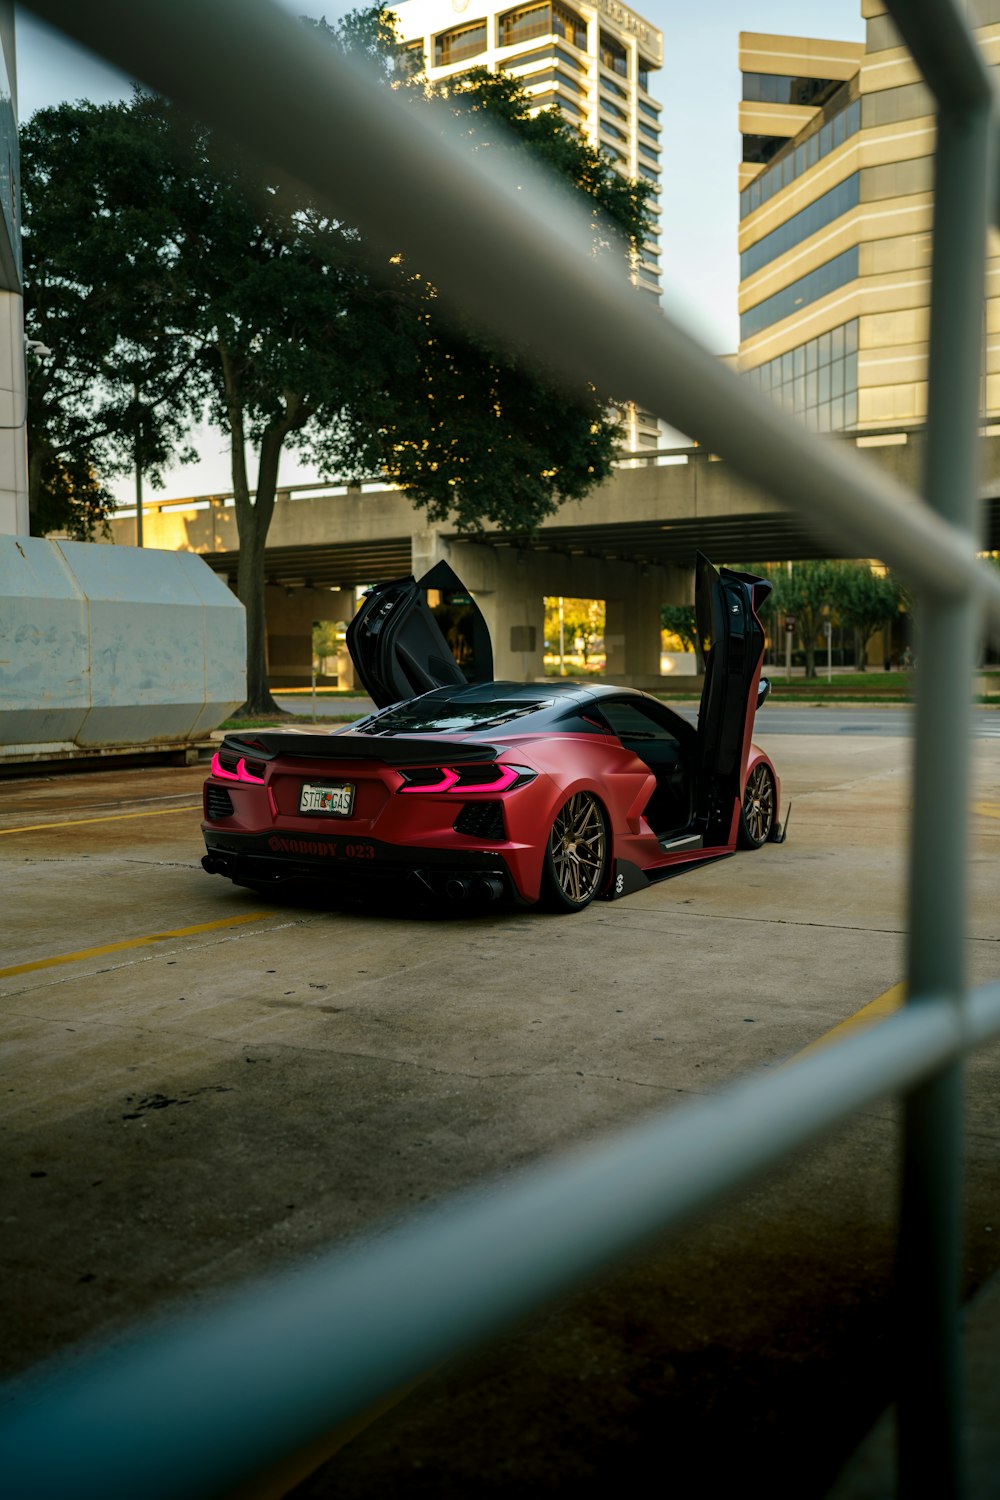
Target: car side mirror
[763, 688]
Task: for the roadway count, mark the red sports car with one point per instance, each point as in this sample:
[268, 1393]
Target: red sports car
[466, 789]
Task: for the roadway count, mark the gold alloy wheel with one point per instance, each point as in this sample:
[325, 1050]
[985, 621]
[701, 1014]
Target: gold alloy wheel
[576, 846]
[758, 805]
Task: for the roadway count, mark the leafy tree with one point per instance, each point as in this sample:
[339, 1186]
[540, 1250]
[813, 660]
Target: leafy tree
[866, 601]
[478, 434]
[195, 290]
[105, 398]
[821, 589]
[680, 618]
[582, 619]
[806, 591]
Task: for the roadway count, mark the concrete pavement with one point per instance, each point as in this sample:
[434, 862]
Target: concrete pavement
[201, 1086]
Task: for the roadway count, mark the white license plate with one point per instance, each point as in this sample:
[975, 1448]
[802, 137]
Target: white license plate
[336, 801]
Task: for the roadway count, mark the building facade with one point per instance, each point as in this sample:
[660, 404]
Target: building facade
[835, 228]
[591, 61]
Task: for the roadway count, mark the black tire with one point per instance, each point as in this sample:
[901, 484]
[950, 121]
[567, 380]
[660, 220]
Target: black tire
[577, 855]
[757, 812]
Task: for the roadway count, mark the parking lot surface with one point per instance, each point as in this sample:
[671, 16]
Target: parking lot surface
[201, 1085]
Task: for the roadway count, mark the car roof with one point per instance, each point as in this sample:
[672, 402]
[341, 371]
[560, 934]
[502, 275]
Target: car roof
[533, 706]
[549, 687]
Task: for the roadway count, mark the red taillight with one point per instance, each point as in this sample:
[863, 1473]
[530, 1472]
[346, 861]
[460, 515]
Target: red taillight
[446, 780]
[483, 778]
[509, 774]
[240, 774]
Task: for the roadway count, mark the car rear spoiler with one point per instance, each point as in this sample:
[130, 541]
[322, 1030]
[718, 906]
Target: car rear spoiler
[391, 750]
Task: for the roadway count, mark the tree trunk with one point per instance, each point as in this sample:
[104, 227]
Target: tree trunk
[253, 521]
[860, 648]
[35, 473]
[250, 588]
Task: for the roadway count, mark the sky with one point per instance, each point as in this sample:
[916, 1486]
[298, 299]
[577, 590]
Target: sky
[698, 86]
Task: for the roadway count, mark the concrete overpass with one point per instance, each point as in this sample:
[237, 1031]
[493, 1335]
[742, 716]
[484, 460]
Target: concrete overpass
[630, 542]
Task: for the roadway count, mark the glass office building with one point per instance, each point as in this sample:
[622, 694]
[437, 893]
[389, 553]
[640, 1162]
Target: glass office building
[835, 221]
[591, 61]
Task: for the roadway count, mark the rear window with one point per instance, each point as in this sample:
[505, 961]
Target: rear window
[426, 716]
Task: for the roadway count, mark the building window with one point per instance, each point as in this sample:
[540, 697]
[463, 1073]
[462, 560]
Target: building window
[818, 381]
[521, 25]
[800, 226]
[612, 130]
[553, 52]
[546, 75]
[613, 110]
[647, 109]
[647, 130]
[547, 97]
[543, 20]
[568, 81]
[568, 24]
[762, 148]
[775, 88]
[455, 46]
[649, 174]
[798, 158]
[819, 283]
[613, 55]
[413, 58]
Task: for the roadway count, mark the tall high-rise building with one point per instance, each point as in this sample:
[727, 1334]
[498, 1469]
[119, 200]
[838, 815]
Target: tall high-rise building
[591, 61]
[835, 227]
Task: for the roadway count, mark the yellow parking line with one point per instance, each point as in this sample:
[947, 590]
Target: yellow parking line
[139, 942]
[156, 812]
[986, 809]
[869, 1015]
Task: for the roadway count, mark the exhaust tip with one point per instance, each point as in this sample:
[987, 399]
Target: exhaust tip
[489, 887]
[456, 889]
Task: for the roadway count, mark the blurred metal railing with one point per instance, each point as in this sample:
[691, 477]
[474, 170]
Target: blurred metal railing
[193, 1408]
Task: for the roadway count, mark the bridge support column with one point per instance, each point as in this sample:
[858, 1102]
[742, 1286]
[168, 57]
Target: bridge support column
[509, 587]
[632, 623]
[290, 616]
[427, 548]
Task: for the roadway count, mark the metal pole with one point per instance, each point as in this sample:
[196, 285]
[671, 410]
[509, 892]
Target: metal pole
[562, 640]
[930, 1403]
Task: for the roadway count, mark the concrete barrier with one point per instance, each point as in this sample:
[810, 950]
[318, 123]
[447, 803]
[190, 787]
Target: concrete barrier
[106, 650]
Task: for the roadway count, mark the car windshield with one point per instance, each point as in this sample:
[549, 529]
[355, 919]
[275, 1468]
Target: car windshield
[435, 715]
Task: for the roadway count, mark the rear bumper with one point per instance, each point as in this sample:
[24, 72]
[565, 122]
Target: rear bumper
[363, 865]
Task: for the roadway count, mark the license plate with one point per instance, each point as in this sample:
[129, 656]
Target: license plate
[336, 801]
